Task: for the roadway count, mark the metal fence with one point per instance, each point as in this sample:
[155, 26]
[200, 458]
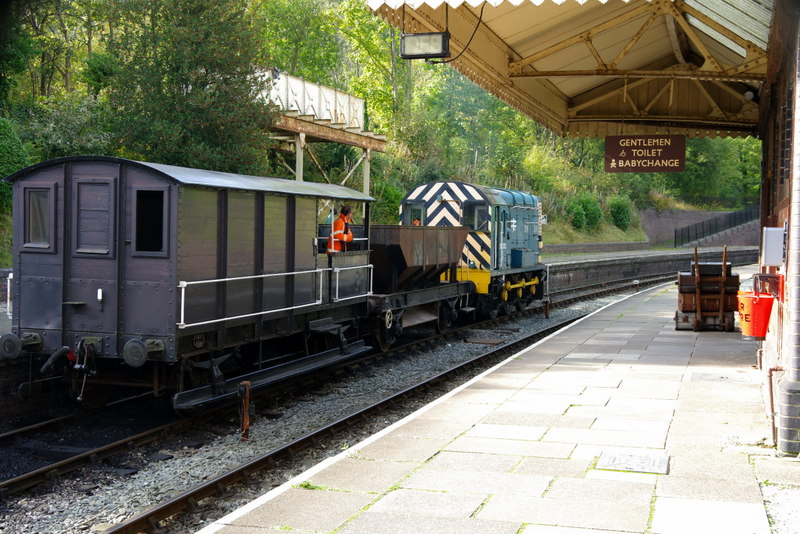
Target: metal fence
[699, 230]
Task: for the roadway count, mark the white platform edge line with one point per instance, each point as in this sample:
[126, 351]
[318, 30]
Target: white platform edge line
[227, 520]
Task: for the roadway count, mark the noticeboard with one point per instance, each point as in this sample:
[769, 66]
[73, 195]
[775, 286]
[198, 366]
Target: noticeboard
[645, 153]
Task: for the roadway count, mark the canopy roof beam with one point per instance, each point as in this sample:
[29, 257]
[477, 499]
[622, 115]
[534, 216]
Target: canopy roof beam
[711, 68]
[695, 74]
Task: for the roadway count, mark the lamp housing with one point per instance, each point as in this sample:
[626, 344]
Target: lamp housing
[424, 45]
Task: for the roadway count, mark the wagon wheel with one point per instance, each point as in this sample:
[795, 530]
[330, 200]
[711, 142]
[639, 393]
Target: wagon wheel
[383, 340]
[509, 307]
[447, 314]
[95, 397]
[383, 332]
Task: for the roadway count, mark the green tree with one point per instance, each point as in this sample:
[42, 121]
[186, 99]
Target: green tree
[16, 47]
[187, 91]
[12, 158]
[373, 66]
[68, 125]
[299, 37]
[99, 71]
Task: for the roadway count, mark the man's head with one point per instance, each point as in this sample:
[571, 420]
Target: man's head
[346, 209]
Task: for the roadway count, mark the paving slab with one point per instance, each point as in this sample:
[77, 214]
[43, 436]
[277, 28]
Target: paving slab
[475, 462]
[555, 467]
[394, 523]
[690, 516]
[701, 486]
[366, 476]
[315, 510]
[601, 491]
[608, 515]
[548, 529]
[523, 432]
[511, 446]
[430, 503]
[483, 483]
[538, 419]
[401, 449]
[429, 428]
[593, 436]
[623, 423]
[784, 471]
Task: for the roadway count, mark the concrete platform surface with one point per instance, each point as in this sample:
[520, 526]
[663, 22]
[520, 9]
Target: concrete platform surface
[617, 424]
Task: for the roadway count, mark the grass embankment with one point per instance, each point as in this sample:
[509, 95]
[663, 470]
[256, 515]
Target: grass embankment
[557, 233]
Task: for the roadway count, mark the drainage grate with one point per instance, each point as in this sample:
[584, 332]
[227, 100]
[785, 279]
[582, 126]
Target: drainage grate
[633, 463]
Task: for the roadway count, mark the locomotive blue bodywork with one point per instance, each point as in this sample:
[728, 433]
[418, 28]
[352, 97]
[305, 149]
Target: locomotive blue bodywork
[502, 253]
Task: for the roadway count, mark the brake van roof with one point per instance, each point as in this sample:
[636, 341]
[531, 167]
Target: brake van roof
[214, 179]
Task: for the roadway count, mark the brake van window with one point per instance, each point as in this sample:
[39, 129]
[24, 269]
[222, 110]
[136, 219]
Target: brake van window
[37, 222]
[149, 221]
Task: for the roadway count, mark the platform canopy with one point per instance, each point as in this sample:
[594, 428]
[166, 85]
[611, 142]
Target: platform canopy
[593, 68]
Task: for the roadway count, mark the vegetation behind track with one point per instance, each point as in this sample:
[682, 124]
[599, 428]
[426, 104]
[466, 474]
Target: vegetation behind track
[155, 80]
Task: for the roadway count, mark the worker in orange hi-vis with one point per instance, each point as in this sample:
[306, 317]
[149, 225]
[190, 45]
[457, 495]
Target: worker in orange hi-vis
[341, 231]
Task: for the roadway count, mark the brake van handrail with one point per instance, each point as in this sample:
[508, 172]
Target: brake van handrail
[182, 285]
[9, 280]
[336, 272]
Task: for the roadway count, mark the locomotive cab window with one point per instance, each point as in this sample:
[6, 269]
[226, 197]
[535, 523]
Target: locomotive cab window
[150, 224]
[38, 218]
[476, 217]
[415, 215]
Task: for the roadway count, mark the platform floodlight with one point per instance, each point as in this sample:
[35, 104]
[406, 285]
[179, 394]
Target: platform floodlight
[424, 45]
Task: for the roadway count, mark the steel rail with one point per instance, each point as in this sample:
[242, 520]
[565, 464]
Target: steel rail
[49, 472]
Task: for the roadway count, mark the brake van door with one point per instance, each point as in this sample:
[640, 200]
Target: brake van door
[91, 257]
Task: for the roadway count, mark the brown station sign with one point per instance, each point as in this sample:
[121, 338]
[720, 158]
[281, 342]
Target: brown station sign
[645, 153]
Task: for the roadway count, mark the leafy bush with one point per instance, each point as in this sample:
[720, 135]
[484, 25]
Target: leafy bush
[577, 217]
[67, 125]
[591, 209]
[620, 209]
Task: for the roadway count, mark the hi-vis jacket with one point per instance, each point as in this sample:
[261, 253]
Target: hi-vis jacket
[341, 234]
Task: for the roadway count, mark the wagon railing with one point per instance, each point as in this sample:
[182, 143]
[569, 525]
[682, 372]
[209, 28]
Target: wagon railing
[183, 285]
[335, 289]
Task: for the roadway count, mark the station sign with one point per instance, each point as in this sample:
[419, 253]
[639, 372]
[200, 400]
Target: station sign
[645, 153]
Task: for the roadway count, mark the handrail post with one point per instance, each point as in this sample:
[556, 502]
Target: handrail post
[182, 285]
[8, 295]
